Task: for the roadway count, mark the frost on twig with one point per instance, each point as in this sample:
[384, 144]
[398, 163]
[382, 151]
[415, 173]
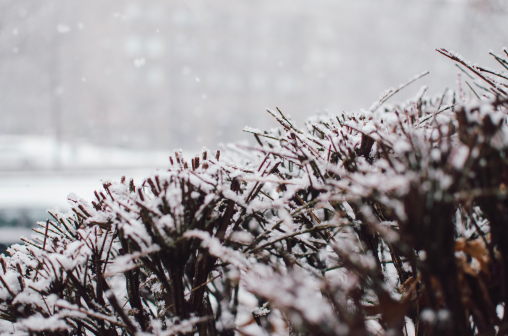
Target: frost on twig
[361, 223]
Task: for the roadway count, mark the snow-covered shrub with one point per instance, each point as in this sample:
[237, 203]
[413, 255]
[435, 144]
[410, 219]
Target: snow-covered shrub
[381, 221]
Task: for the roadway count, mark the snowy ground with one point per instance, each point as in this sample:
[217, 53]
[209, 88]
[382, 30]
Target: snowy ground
[30, 193]
[49, 189]
[28, 153]
[36, 174]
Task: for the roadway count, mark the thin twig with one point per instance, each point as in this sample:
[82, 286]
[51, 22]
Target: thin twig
[392, 93]
[94, 314]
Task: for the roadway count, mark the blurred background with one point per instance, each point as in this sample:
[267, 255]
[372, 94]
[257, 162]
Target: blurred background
[96, 89]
